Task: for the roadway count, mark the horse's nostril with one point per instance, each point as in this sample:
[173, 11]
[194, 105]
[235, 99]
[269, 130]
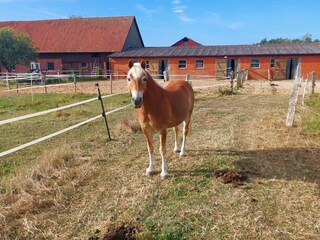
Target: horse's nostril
[137, 102]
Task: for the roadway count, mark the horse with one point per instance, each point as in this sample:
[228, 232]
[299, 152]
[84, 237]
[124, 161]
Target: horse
[159, 108]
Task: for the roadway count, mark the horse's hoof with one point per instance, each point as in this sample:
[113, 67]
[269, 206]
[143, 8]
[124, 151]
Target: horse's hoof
[149, 172]
[183, 154]
[176, 150]
[164, 176]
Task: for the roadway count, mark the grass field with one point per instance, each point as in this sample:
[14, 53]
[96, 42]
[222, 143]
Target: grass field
[79, 185]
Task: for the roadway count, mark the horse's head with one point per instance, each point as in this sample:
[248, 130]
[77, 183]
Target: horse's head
[137, 78]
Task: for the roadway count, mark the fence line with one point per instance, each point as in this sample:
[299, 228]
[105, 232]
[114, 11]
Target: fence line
[35, 87]
[12, 150]
[208, 86]
[69, 128]
[52, 110]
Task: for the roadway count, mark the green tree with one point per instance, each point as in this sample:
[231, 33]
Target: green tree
[15, 48]
[307, 38]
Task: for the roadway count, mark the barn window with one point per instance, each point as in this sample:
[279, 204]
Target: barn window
[147, 64]
[272, 62]
[50, 65]
[95, 55]
[255, 63]
[199, 64]
[182, 64]
[83, 65]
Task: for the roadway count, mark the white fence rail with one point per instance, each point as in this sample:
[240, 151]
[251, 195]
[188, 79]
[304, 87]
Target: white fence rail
[12, 150]
[11, 120]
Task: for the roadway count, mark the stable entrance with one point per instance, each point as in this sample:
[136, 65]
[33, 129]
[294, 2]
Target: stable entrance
[285, 68]
[225, 66]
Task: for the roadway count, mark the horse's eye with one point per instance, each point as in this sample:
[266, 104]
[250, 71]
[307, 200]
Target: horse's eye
[144, 78]
[128, 79]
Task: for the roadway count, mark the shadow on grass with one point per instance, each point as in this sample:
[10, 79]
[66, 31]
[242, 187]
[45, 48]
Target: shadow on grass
[297, 164]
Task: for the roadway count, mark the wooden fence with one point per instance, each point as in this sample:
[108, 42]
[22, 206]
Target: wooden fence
[297, 85]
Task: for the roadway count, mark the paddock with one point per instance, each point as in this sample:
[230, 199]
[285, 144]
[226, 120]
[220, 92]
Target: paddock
[79, 185]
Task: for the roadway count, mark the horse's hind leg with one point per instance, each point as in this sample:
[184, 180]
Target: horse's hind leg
[176, 139]
[186, 125]
[163, 137]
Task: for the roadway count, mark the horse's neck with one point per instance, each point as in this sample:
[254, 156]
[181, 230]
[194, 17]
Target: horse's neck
[153, 95]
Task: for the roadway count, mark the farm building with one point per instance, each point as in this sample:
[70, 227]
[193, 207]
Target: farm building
[81, 44]
[267, 61]
[90, 45]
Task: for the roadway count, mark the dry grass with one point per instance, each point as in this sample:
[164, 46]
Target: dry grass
[85, 185]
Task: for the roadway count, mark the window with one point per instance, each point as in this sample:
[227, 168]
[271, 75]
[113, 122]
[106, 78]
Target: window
[147, 64]
[272, 62]
[199, 64]
[182, 64]
[95, 55]
[50, 65]
[83, 65]
[255, 63]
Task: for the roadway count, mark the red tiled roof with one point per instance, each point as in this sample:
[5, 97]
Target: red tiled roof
[76, 34]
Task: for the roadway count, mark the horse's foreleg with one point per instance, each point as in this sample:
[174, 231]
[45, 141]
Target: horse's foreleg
[163, 136]
[186, 124]
[176, 139]
[148, 135]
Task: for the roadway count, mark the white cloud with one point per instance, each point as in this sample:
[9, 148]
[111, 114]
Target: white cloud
[216, 20]
[184, 18]
[235, 25]
[147, 11]
[180, 11]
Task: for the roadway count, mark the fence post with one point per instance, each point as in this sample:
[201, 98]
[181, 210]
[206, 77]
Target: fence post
[44, 82]
[110, 83]
[166, 76]
[74, 82]
[17, 84]
[304, 91]
[103, 111]
[293, 101]
[231, 82]
[313, 77]
[187, 77]
[7, 78]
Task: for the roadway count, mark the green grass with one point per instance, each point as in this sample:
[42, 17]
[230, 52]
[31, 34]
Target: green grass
[33, 128]
[72, 185]
[21, 105]
[311, 115]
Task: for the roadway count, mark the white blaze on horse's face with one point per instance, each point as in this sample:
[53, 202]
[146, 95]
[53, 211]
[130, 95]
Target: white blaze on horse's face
[137, 83]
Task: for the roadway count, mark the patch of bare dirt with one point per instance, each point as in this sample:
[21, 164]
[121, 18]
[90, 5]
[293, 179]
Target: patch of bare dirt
[122, 232]
[236, 178]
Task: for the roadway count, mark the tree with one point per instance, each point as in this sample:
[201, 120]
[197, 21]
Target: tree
[15, 48]
[307, 38]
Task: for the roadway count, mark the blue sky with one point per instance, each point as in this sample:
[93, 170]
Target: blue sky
[164, 22]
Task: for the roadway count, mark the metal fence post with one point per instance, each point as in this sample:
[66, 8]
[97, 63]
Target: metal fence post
[103, 111]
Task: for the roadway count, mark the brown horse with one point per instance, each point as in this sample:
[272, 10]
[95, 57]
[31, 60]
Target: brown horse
[160, 108]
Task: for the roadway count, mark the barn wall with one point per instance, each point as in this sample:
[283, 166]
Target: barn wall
[308, 64]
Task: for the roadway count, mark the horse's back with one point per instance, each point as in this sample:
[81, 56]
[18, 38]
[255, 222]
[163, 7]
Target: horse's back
[181, 94]
[177, 86]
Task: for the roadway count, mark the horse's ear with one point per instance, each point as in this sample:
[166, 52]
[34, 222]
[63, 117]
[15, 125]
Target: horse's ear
[143, 64]
[130, 63]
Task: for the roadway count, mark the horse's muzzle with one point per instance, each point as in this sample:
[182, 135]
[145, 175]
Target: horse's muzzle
[137, 102]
